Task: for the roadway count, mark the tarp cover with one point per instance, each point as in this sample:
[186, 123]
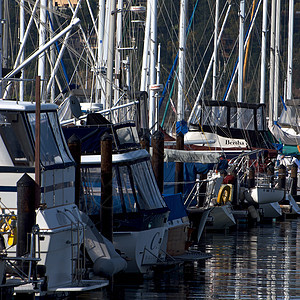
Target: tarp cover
[190, 156]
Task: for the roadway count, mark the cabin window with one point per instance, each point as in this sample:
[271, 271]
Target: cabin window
[91, 181]
[16, 139]
[127, 189]
[127, 135]
[52, 146]
[260, 118]
[242, 118]
[148, 195]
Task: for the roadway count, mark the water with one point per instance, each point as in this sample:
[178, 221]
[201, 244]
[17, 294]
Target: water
[249, 263]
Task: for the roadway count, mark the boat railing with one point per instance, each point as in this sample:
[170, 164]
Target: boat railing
[18, 265]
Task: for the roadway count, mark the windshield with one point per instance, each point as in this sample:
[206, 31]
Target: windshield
[16, 147]
[52, 146]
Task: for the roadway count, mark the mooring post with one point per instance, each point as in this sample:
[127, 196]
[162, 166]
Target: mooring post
[106, 210]
[179, 165]
[74, 145]
[294, 171]
[251, 177]
[145, 139]
[282, 176]
[26, 192]
[270, 174]
[157, 142]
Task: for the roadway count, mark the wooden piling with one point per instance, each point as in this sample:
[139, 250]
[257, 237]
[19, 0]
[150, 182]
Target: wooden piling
[157, 142]
[251, 177]
[282, 176]
[270, 174]
[74, 145]
[26, 191]
[145, 139]
[106, 209]
[294, 171]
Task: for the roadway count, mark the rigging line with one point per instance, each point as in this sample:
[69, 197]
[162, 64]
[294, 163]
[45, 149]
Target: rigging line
[58, 49]
[248, 44]
[229, 86]
[199, 65]
[206, 50]
[176, 58]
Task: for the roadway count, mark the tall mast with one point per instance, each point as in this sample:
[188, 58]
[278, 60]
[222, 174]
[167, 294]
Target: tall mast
[241, 51]
[52, 54]
[277, 53]
[263, 52]
[42, 41]
[215, 52]
[289, 94]
[22, 55]
[110, 54]
[153, 54]
[181, 61]
[1, 60]
[144, 72]
[100, 80]
[118, 49]
[272, 63]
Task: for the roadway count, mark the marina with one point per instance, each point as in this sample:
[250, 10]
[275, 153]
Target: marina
[149, 149]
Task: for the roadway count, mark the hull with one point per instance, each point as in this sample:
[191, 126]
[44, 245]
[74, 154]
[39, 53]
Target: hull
[271, 210]
[263, 195]
[222, 218]
[141, 248]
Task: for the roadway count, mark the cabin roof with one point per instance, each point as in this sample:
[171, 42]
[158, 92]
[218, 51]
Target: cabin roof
[25, 106]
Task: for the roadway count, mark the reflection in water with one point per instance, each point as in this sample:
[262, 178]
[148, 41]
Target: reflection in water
[256, 263]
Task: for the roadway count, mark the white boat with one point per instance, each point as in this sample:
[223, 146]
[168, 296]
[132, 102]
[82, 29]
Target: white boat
[264, 194]
[140, 213]
[60, 231]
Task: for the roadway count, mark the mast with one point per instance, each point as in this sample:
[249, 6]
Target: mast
[1, 57]
[289, 94]
[42, 41]
[144, 72]
[153, 54]
[100, 81]
[118, 50]
[263, 52]
[22, 55]
[181, 61]
[110, 55]
[215, 51]
[241, 51]
[52, 54]
[272, 60]
[277, 52]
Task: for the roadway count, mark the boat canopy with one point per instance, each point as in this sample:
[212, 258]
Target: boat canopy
[230, 115]
[134, 185]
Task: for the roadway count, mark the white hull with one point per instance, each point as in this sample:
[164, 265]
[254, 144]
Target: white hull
[140, 248]
[263, 195]
[214, 141]
[222, 217]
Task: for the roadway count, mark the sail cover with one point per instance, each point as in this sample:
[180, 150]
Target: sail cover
[191, 156]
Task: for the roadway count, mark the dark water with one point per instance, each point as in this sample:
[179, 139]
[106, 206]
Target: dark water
[248, 263]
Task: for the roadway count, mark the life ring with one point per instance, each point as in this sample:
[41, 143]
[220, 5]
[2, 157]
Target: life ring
[225, 194]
